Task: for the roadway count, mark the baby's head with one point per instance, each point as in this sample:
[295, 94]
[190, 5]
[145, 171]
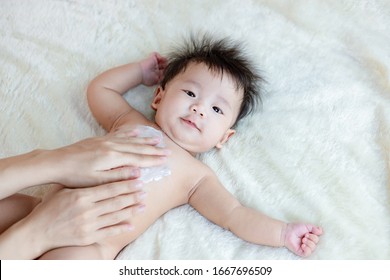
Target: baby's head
[207, 88]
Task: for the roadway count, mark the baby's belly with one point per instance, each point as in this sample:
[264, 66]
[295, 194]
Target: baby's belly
[161, 196]
[157, 204]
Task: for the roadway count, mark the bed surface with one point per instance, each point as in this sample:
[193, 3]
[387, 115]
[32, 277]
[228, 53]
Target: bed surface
[317, 151]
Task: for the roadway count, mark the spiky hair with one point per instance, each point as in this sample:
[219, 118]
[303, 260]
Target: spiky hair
[222, 56]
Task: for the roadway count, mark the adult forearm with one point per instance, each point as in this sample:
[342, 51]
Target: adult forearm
[255, 227]
[18, 242]
[19, 172]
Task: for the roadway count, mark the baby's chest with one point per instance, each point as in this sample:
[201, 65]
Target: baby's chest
[173, 190]
[185, 172]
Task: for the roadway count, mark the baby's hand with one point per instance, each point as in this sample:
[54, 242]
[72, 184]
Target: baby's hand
[302, 239]
[153, 69]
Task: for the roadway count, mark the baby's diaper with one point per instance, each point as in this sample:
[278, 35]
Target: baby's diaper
[155, 173]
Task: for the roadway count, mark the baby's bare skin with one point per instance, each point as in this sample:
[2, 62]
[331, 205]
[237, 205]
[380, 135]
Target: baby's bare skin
[195, 111]
[162, 195]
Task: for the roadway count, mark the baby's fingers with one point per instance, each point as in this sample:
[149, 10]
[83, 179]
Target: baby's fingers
[161, 60]
[316, 230]
[312, 237]
[309, 244]
[305, 250]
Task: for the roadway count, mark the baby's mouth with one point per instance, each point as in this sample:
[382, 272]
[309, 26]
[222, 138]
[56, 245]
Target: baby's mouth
[190, 123]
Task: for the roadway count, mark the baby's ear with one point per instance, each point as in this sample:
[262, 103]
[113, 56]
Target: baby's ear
[229, 133]
[158, 95]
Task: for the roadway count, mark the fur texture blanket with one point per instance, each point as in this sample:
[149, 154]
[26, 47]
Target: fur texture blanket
[318, 150]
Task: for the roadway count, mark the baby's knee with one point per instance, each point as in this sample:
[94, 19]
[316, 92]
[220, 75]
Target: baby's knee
[15, 208]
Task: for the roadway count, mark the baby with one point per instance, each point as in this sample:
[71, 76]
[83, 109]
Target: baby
[207, 86]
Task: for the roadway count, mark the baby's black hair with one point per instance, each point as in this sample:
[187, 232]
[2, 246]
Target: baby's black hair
[220, 55]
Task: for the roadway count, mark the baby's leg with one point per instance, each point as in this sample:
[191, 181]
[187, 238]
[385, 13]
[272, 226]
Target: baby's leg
[107, 249]
[91, 252]
[15, 208]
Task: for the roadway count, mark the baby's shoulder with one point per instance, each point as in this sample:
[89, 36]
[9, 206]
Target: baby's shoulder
[132, 120]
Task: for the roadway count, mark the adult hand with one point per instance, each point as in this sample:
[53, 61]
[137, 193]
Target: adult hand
[90, 162]
[113, 157]
[74, 217]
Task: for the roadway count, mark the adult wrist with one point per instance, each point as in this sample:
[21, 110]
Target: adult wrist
[21, 242]
[54, 164]
[22, 171]
[46, 168]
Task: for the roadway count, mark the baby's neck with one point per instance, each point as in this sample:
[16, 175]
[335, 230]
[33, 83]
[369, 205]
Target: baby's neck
[194, 154]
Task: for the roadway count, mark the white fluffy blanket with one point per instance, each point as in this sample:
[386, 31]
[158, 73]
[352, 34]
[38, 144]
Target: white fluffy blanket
[318, 150]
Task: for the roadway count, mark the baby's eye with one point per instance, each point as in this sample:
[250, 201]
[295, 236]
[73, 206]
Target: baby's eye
[217, 110]
[189, 93]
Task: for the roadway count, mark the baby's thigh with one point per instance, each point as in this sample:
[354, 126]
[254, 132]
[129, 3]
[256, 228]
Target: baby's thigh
[14, 208]
[50, 192]
[96, 251]
[90, 252]
[111, 246]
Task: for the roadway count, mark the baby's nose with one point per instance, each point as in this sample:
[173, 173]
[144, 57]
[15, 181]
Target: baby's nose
[196, 109]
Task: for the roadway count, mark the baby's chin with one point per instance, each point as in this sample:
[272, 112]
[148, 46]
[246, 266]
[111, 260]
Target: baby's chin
[191, 147]
[194, 148]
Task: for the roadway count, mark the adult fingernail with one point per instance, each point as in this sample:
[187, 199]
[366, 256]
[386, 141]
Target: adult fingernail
[130, 227]
[141, 209]
[155, 141]
[139, 185]
[135, 172]
[142, 195]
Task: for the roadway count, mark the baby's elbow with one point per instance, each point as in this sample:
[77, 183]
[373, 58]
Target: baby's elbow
[90, 93]
[94, 91]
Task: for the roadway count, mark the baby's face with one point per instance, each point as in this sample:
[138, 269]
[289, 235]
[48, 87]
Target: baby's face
[198, 108]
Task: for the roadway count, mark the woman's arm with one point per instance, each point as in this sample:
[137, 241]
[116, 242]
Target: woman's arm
[115, 156]
[19, 172]
[73, 217]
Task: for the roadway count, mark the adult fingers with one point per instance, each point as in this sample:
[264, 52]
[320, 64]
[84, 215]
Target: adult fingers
[121, 216]
[113, 230]
[120, 202]
[142, 147]
[131, 135]
[119, 174]
[114, 189]
[122, 138]
[123, 132]
[138, 160]
[126, 131]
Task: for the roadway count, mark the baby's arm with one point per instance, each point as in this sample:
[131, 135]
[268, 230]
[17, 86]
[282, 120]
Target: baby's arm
[214, 202]
[105, 91]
